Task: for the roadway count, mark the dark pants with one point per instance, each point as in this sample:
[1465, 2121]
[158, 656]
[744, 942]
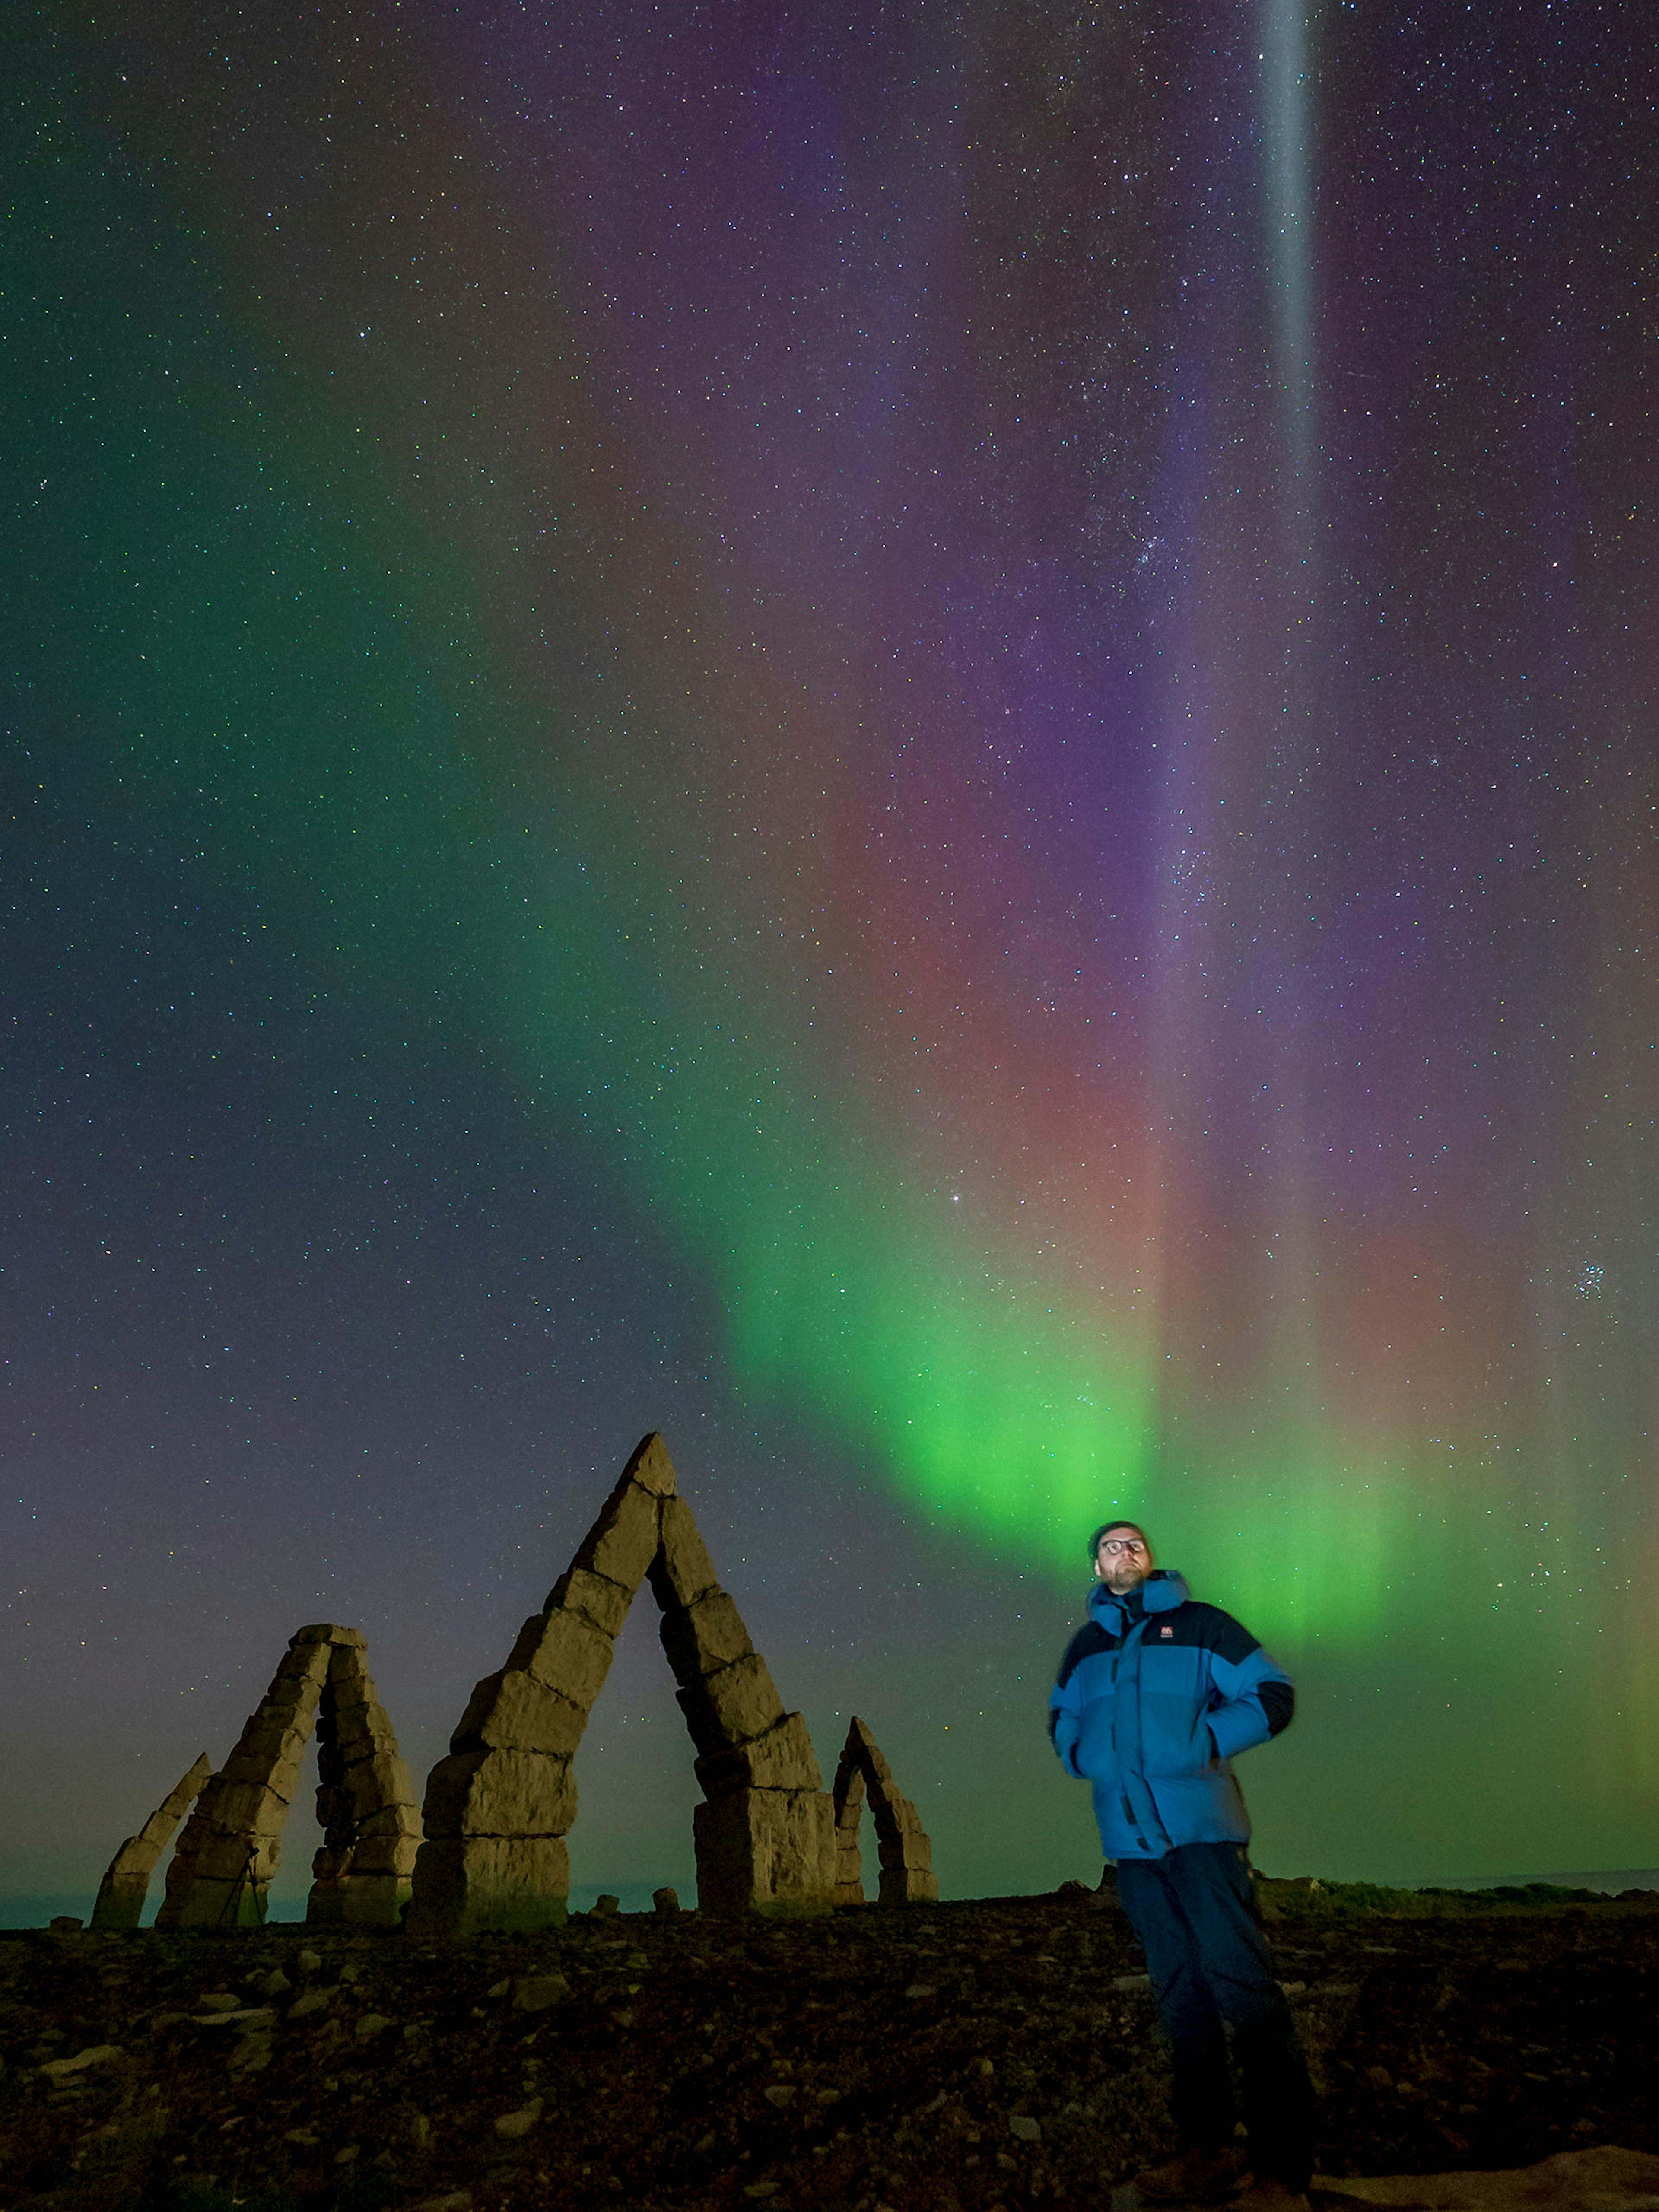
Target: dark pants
[1195, 1914]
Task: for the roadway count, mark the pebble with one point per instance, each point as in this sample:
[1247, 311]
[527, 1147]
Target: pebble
[309, 1962]
[313, 2001]
[1124, 1983]
[779, 2093]
[921, 1989]
[373, 2024]
[1026, 2129]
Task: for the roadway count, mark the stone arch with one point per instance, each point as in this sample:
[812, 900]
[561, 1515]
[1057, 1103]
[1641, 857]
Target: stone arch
[907, 1856]
[498, 1807]
[231, 1842]
[121, 1894]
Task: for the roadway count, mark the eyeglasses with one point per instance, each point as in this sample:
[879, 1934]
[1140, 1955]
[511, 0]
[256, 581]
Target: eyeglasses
[1112, 1544]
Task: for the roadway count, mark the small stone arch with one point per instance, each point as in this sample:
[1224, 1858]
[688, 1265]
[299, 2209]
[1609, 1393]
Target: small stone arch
[907, 1856]
[498, 1807]
[232, 1843]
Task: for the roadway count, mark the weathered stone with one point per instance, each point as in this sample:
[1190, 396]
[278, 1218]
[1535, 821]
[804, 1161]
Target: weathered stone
[121, 1898]
[250, 1807]
[781, 1758]
[665, 1902]
[701, 1637]
[362, 1732]
[382, 1780]
[463, 1884]
[238, 1858]
[513, 1712]
[594, 1597]
[212, 1902]
[766, 1850]
[328, 1632]
[623, 1542]
[731, 1707]
[681, 1571]
[651, 1466]
[861, 1746]
[905, 1843]
[565, 1653]
[304, 1668]
[906, 1886]
[380, 1855]
[402, 1820]
[245, 1770]
[500, 1792]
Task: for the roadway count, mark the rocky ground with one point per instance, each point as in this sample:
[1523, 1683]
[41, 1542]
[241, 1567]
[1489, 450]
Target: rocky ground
[957, 2057]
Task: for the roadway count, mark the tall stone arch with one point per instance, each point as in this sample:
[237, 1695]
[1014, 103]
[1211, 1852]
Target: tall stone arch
[231, 1842]
[499, 1807]
[906, 1854]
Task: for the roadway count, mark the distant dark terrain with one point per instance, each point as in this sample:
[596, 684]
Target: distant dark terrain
[958, 2057]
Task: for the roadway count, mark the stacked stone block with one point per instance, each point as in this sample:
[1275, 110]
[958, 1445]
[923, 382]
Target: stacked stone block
[906, 1855]
[366, 1803]
[232, 1842]
[126, 1885]
[499, 1807]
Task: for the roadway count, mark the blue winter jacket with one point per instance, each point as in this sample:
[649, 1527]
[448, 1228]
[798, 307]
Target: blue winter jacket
[1155, 1695]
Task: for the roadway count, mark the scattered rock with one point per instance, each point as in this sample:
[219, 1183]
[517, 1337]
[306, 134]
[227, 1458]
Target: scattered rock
[664, 1901]
[512, 2126]
[1026, 2129]
[605, 1907]
[97, 2054]
[311, 2001]
[536, 1992]
[373, 2024]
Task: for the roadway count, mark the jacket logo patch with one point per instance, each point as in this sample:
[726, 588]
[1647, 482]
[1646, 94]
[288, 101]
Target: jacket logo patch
[1166, 1631]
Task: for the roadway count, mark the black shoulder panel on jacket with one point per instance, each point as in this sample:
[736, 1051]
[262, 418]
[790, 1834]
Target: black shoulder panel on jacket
[1090, 1638]
[1279, 1703]
[1208, 1627]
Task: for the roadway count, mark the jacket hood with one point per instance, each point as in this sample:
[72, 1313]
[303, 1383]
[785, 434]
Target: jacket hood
[1162, 1591]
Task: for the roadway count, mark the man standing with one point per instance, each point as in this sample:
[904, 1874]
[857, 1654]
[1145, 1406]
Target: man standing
[1156, 1694]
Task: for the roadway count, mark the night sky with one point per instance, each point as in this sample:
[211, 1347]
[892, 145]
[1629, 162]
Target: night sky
[918, 740]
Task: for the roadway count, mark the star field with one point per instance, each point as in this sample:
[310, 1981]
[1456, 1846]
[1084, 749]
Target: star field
[919, 743]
